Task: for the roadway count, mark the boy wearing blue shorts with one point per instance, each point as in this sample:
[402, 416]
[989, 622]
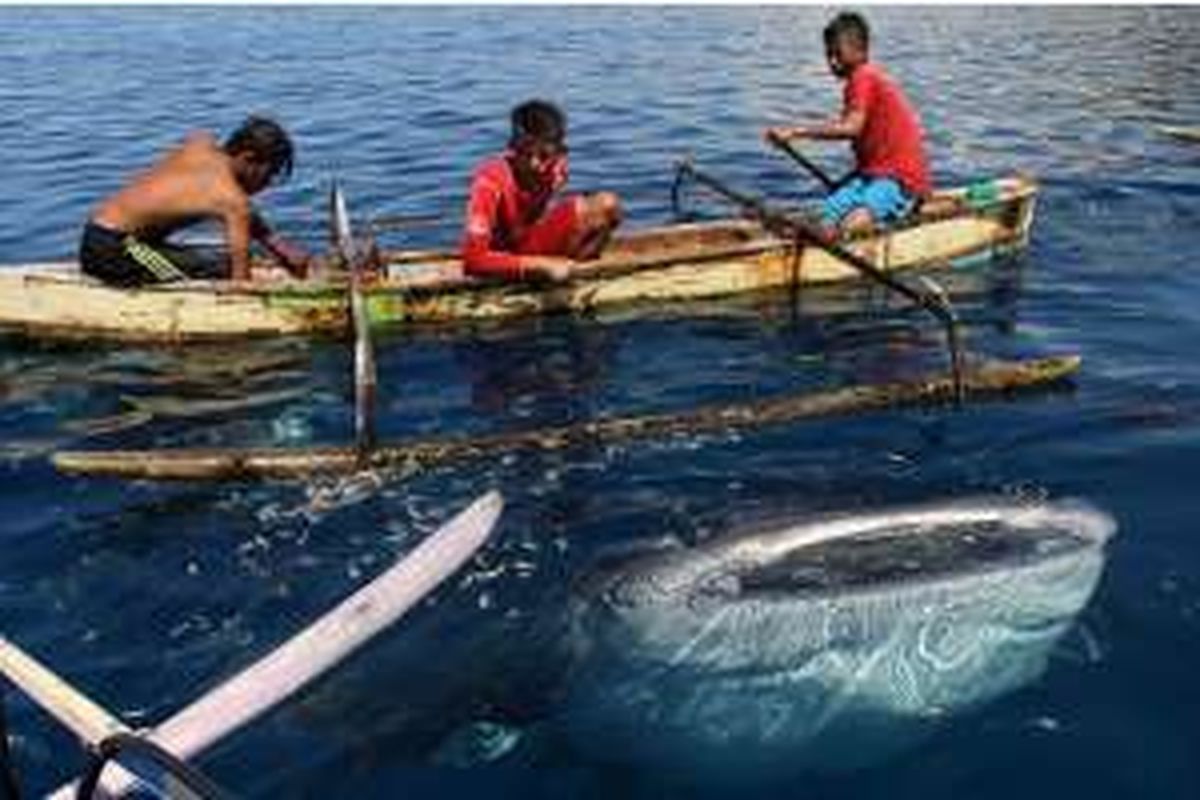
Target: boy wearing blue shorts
[891, 169]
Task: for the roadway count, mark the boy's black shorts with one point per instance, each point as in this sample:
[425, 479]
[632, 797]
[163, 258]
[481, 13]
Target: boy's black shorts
[121, 259]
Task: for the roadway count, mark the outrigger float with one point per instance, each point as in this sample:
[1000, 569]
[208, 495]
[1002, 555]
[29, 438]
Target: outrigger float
[992, 378]
[257, 689]
[1184, 133]
[680, 262]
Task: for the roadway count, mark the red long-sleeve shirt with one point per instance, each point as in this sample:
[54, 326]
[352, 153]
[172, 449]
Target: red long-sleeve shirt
[499, 213]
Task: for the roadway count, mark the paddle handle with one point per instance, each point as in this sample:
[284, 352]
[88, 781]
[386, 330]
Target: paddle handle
[821, 175]
[793, 226]
[779, 222]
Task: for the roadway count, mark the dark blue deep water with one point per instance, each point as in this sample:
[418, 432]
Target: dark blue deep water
[144, 594]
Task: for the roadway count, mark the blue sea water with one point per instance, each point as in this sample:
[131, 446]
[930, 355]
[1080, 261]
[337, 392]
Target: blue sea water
[146, 594]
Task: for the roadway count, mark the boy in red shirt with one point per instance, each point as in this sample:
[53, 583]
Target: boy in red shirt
[512, 231]
[892, 171]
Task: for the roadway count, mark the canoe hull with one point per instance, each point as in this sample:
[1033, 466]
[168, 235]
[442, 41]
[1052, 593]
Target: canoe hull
[658, 265]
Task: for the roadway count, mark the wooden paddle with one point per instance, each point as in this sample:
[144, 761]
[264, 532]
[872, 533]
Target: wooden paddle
[798, 228]
[364, 352]
[821, 175]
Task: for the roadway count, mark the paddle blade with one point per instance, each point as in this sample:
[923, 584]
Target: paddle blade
[340, 232]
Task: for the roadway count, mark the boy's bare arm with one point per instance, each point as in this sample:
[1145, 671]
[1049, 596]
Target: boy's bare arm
[237, 234]
[848, 126]
[295, 258]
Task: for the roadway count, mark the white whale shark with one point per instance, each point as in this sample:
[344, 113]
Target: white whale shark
[825, 646]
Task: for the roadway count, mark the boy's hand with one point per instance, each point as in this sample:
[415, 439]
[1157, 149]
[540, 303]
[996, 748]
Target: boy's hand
[778, 134]
[299, 264]
[553, 268]
[316, 267]
[296, 260]
[269, 273]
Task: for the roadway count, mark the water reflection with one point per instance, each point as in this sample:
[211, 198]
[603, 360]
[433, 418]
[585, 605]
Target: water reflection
[549, 370]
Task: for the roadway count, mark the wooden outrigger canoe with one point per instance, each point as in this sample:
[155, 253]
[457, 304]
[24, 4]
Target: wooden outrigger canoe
[655, 265]
[979, 380]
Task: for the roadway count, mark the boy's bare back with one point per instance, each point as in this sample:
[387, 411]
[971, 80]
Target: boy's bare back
[193, 182]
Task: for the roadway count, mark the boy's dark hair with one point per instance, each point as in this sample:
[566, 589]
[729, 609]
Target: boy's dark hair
[538, 121]
[851, 25]
[266, 141]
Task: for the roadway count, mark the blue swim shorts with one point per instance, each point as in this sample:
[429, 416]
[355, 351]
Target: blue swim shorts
[885, 198]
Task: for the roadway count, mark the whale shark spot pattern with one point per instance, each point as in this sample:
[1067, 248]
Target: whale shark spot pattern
[827, 645]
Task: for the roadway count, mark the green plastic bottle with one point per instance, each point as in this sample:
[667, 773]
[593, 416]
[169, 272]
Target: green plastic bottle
[982, 194]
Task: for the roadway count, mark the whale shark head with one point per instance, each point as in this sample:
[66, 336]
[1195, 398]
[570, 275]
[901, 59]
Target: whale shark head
[827, 645]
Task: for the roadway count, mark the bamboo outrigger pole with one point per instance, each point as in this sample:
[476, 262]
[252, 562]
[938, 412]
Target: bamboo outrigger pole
[78, 713]
[101, 731]
[276, 676]
[794, 227]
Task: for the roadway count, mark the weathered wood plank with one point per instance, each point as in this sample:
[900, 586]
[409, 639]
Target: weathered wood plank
[980, 380]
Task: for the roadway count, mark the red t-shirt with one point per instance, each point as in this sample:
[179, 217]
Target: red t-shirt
[500, 213]
[891, 144]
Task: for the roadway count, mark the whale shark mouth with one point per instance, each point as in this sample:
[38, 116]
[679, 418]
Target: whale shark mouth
[894, 554]
[843, 554]
[829, 644]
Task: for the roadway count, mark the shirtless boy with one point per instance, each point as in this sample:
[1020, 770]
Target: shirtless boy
[124, 241]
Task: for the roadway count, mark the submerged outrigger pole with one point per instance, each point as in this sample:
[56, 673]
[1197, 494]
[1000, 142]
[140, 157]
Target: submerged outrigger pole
[933, 300]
